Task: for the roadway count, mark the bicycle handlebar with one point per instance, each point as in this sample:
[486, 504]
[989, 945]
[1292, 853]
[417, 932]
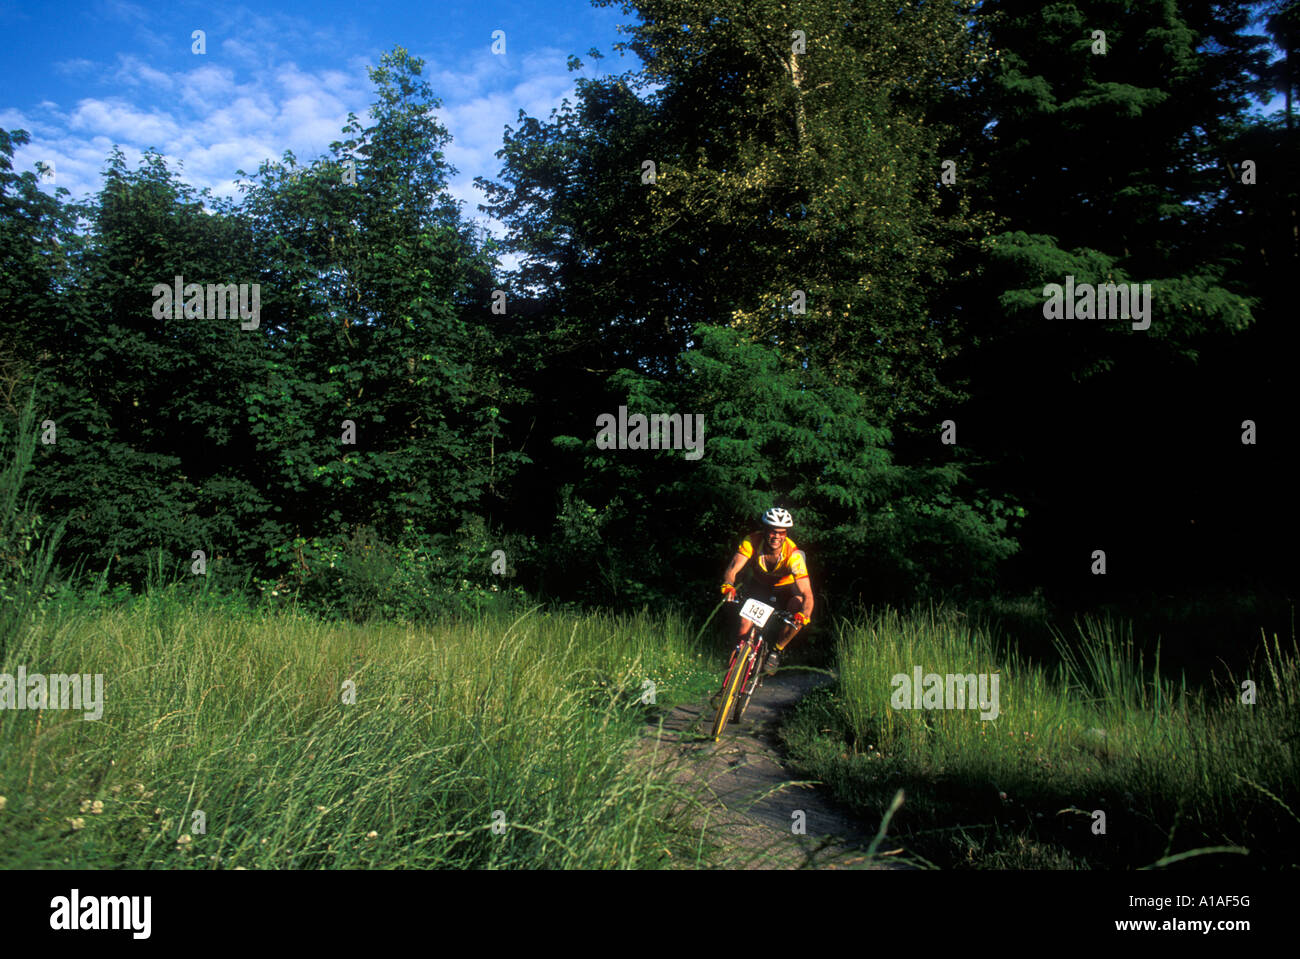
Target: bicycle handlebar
[785, 616]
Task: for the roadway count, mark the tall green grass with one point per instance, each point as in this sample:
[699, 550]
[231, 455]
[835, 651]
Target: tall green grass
[1174, 771]
[27, 540]
[496, 742]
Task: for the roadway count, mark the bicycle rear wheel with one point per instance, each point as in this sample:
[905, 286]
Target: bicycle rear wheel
[730, 687]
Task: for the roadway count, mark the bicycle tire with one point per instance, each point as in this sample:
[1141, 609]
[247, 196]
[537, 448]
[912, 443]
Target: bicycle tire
[742, 702]
[729, 685]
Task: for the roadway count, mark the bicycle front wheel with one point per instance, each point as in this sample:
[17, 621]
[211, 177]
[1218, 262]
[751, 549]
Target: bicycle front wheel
[745, 695]
[730, 688]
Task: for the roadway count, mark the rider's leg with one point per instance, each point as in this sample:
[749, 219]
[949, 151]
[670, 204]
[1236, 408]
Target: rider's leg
[794, 605]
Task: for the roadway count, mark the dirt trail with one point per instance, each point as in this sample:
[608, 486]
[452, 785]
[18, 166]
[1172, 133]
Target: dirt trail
[749, 797]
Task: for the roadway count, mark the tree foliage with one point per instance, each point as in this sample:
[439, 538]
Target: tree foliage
[823, 227]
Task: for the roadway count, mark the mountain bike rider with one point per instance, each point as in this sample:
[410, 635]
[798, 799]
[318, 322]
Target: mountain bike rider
[778, 569]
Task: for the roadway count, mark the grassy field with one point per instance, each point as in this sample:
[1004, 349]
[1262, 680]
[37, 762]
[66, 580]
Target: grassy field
[242, 738]
[1180, 774]
[501, 742]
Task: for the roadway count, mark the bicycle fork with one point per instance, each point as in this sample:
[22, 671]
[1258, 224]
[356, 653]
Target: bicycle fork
[755, 668]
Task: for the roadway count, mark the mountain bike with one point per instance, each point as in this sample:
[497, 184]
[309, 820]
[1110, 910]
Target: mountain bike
[745, 671]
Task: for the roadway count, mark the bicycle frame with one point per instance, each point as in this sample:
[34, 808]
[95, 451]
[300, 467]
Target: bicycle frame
[757, 640]
[737, 691]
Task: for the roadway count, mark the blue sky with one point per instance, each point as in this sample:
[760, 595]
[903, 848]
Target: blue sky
[81, 77]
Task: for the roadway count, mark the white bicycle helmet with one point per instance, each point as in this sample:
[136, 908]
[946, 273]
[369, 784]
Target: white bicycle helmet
[778, 517]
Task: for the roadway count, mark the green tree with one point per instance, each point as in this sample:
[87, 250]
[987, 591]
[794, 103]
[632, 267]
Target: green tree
[874, 527]
[137, 398]
[379, 313]
[800, 139]
[178, 433]
[775, 171]
[781, 163]
[1106, 164]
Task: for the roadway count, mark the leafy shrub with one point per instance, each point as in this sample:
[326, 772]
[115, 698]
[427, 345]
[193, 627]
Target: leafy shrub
[361, 577]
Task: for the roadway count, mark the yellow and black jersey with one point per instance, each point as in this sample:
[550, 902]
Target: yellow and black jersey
[790, 567]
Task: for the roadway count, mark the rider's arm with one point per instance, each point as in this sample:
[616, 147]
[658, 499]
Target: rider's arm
[733, 569]
[799, 570]
[804, 585]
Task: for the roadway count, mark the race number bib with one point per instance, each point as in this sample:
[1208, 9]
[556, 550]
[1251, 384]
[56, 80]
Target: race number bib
[756, 612]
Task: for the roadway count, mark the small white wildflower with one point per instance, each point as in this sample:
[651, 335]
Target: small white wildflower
[97, 806]
[185, 840]
[372, 835]
[85, 805]
[77, 823]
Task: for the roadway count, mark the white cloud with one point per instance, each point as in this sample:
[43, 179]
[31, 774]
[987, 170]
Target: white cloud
[133, 72]
[247, 102]
[76, 67]
[122, 122]
[120, 10]
[200, 87]
[14, 120]
[477, 125]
